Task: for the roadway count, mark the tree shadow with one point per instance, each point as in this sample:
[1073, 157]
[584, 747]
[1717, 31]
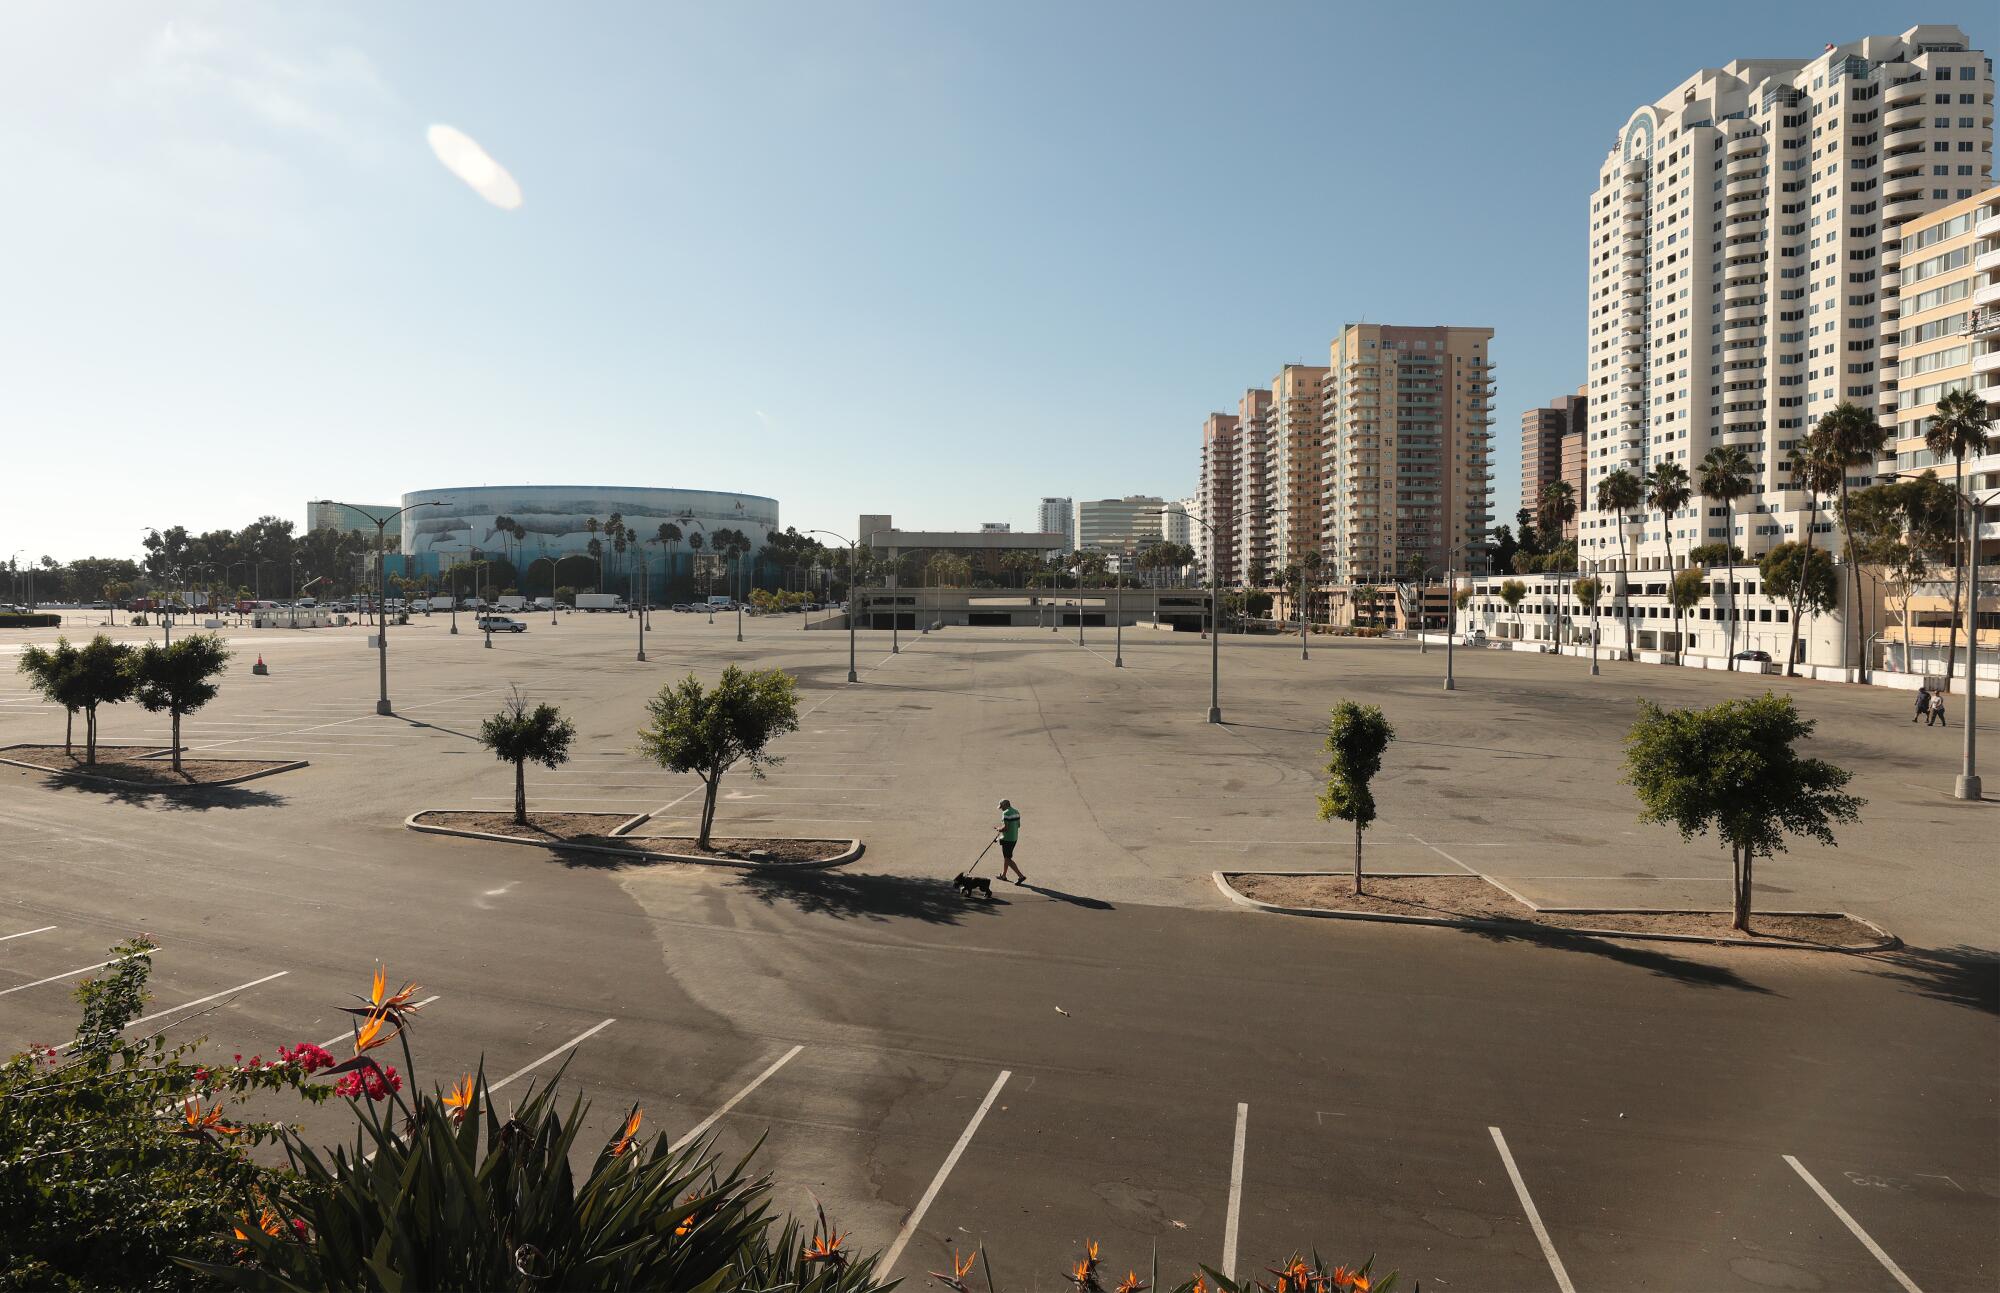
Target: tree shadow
[849, 895]
[1957, 975]
[1694, 974]
[174, 799]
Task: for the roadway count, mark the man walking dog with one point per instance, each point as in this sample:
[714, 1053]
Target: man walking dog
[1010, 835]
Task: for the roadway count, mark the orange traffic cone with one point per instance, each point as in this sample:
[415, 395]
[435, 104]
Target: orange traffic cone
[260, 666]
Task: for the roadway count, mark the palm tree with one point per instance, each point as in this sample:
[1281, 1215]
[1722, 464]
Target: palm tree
[1621, 492]
[1555, 508]
[596, 550]
[1815, 471]
[504, 527]
[1313, 560]
[1724, 474]
[1851, 438]
[668, 536]
[1960, 430]
[1667, 489]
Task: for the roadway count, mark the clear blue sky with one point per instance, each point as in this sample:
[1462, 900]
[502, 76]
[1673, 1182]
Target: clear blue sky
[928, 259]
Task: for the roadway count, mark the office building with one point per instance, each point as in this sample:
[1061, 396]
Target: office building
[1118, 525]
[1254, 497]
[1406, 423]
[1747, 268]
[1057, 516]
[322, 515]
[1215, 544]
[1948, 339]
[1295, 464]
[1552, 449]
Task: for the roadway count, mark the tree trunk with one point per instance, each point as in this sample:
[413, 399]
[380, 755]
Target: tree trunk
[90, 735]
[708, 811]
[1743, 891]
[1729, 580]
[1737, 915]
[177, 740]
[69, 727]
[1957, 579]
[1357, 857]
[1854, 574]
[1798, 593]
[520, 792]
[1625, 594]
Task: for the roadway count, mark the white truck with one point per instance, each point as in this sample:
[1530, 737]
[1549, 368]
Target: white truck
[440, 603]
[513, 603]
[599, 602]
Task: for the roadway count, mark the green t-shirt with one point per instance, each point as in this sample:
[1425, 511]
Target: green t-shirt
[1010, 825]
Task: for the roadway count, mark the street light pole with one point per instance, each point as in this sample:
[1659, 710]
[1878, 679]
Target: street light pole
[640, 552]
[1967, 785]
[1450, 617]
[1118, 624]
[851, 558]
[382, 705]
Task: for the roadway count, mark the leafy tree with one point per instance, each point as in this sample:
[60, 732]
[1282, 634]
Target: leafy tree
[1804, 576]
[1709, 554]
[1511, 592]
[1816, 469]
[520, 736]
[1734, 769]
[1684, 593]
[707, 732]
[179, 679]
[1667, 489]
[1724, 474]
[1620, 492]
[1357, 736]
[1960, 429]
[1589, 592]
[55, 672]
[1849, 437]
[104, 672]
[1501, 555]
[1556, 507]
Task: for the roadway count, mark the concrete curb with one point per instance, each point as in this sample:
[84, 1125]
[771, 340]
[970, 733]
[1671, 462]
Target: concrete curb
[167, 789]
[854, 848]
[1888, 942]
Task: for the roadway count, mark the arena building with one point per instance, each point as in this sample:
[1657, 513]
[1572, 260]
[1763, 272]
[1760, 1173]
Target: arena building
[549, 531]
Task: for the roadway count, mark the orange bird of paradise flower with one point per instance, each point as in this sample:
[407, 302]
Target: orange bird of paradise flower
[624, 1142]
[1132, 1284]
[825, 1248]
[384, 1002]
[199, 1119]
[370, 1035]
[956, 1280]
[1346, 1279]
[458, 1100]
[267, 1222]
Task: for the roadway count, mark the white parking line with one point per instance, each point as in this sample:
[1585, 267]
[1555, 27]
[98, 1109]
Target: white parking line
[695, 1133]
[24, 933]
[189, 1005]
[1235, 1192]
[916, 1217]
[1854, 1226]
[1534, 1217]
[69, 974]
[571, 1044]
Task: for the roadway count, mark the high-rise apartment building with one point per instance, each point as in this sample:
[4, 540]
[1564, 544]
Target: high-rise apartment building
[1747, 267]
[1119, 524]
[1406, 419]
[1254, 495]
[1216, 542]
[1295, 464]
[1057, 516]
[1552, 439]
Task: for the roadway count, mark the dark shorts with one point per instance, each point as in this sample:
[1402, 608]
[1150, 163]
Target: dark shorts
[1007, 849]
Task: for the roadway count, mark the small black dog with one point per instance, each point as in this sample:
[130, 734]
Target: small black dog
[971, 884]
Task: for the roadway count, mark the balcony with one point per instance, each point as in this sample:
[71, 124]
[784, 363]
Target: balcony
[1903, 208]
[1888, 278]
[1743, 329]
[1988, 226]
[1751, 144]
[1752, 186]
[1915, 90]
[1987, 261]
[1747, 166]
[1743, 292]
[1987, 363]
[1906, 113]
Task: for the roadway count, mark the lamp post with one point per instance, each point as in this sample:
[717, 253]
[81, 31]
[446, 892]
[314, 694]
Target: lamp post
[851, 677]
[552, 584]
[382, 705]
[1118, 622]
[1967, 786]
[1214, 632]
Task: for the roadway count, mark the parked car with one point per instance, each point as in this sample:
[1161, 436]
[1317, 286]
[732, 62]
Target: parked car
[1758, 657]
[501, 624]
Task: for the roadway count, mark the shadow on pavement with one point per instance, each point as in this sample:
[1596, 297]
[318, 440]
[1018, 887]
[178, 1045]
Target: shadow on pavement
[1959, 976]
[435, 727]
[851, 895]
[1074, 900]
[195, 799]
[1695, 974]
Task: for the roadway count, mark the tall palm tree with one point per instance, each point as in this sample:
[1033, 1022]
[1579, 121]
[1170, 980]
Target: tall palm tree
[1724, 474]
[504, 527]
[1816, 471]
[1852, 438]
[668, 536]
[596, 550]
[1621, 492]
[1960, 429]
[1554, 509]
[1313, 561]
[1667, 489]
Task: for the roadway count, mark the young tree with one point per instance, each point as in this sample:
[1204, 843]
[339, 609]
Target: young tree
[1849, 437]
[1667, 489]
[1733, 769]
[179, 679]
[1356, 738]
[1804, 576]
[1724, 474]
[1511, 592]
[54, 671]
[1817, 471]
[1589, 592]
[708, 732]
[104, 672]
[1685, 593]
[520, 736]
[1620, 491]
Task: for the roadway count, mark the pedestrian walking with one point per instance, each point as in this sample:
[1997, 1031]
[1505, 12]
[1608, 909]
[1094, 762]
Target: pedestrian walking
[1923, 703]
[1010, 835]
[1937, 708]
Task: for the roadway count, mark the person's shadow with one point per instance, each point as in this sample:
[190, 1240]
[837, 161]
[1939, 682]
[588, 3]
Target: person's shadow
[1074, 900]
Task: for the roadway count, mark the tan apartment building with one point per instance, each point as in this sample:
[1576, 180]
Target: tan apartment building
[1745, 267]
[1216, 540]
[1295, 464]
[1552, 439]
[1948, 339]
[1574, 455]
[1255, 489]
[1406, 419]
